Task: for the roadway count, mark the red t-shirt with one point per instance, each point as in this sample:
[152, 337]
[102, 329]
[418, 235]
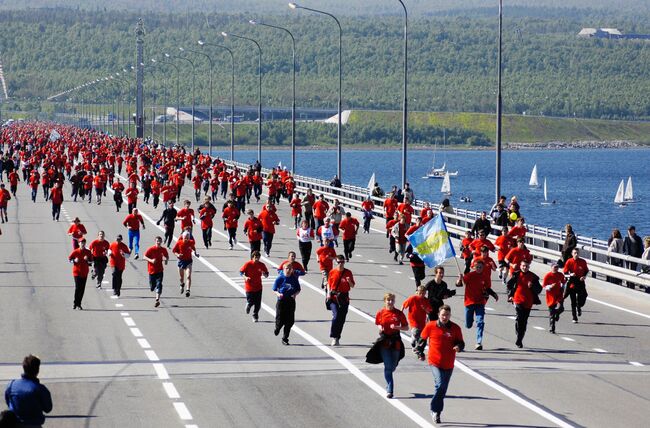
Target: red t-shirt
[131, 195]
[478, 243]
[349, 226]
[554, 295]
[441, 343]
[230, 216]
[268, 219]
[206, 215]
[516, 256]
[340, 281]
[56, 195]
[116, 259]
[523, 293]
[77, 230]
[254, 270]
[132, 221]
[158, 254]
[418, 308]
[326, 256]
[320, 209]
[80, 267]
[505, 244]
[184, 248]
[577, 267]
[386, 317]
[390, 205]
[252, 228]
[475, 284]
[99, 248]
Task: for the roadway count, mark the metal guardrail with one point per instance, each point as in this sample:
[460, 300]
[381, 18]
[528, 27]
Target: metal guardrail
[545, 244]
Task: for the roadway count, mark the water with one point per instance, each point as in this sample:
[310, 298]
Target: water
[583, 182]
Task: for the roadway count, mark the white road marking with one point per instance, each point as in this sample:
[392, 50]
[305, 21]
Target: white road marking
[568, 339]
[636, 363]
[119, 305]
[602, 351]
[136, 332]
[124, 314]
[512, 318]
[191, 426]
[384, 266]
[144, 343]
[129, 321]
[536, 327]
[161, 371]
[358, 255]
[489, 309]
[182, 411]
[396, 271]
[370, 261]
[629, 311]
[151, 354]
[171, 391]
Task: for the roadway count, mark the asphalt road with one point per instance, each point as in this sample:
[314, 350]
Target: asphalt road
[200, 361]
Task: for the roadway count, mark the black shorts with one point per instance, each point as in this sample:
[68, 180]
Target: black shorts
[184, 264]
[156, 282]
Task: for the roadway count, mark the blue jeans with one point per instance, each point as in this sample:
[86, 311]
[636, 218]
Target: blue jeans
[339, 314]
[134, 235]
[479, 310]
[441, 378]
[391, 358]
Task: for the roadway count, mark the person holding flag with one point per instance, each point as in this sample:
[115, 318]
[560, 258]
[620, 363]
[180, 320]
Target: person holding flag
[431, 242]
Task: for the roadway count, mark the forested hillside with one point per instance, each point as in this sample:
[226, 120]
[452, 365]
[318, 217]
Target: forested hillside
[452, 59]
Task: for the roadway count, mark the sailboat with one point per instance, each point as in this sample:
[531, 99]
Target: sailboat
[546, 202]
[440, 172]
[620, 195]
[446, 185]
[628, 197]
[533, 178]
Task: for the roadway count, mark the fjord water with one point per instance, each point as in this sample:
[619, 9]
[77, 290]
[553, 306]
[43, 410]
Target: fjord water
[582, 181]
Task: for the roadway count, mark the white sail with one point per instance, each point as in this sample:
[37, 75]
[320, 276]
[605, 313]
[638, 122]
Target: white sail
[533, 178]
[446, 185]
[619, 198]
[545, 194]
[629, 191]
[371, 183]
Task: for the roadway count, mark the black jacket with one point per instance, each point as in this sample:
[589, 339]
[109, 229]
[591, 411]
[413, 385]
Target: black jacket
[633, 246]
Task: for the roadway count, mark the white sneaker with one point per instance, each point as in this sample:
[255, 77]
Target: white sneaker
[335, 342]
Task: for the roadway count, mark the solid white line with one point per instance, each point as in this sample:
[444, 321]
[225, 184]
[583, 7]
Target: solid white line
[151, 354]
[568, 339]
[129, 321]
[171, 391]
[602, 351]
[636, 363]
[182, 411]
[514, 397]
[144, 343]
[536, 327]
[160, 371]
[629, 311]
[136, 332]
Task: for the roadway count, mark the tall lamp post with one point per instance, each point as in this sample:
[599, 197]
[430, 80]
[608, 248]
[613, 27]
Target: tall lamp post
[211, 62]
[293, 103]
[178, 96]
[193, 86]
[405, 102]
[499, 107]
[232, 94]
[259, 90]
[338, 126]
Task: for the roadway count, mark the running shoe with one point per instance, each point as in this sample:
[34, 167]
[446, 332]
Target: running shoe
[155, 305]
[187, 293]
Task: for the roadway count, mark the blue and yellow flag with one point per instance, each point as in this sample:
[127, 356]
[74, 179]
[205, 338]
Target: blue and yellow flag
[432, 243]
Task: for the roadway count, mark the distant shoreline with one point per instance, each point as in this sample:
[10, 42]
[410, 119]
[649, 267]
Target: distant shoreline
[555, 145]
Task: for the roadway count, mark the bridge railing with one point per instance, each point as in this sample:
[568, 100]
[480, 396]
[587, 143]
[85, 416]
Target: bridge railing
[545, 244]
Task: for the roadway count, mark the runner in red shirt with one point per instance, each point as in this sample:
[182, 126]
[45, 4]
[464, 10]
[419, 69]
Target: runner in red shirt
[77, 232]
[253, 271]
[418, 307]
[296, 210]
[206, 214]
[132, 197]
[340, 281]
[523, 288]
[80, 258]
[117, 253]
[269, 220]
[326, 255]
[367, 208]
[553, 284]
[465, 250]
[56, 196]
[476, 291]
[320, 209]
[505, 244]
[99, 249]
[390, 321]
[13, 182]
[576, 288]
[183, 249]
[253, 229]
[445, 340]
[230, 216]
[517, 255]
[186, 216]
[4, 201]
[156, 256]
[350, 226]
[298, 269]
[132, 222]
[118, 188]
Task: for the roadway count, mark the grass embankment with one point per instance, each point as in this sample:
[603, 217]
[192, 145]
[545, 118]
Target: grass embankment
[517, 128]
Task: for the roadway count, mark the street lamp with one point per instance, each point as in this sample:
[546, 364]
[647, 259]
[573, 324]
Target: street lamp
[193, 85]
[499, 107]
[232, 95]
[178, 96]
[293, 104]
[259, 94]
[338, 126]
[405, 102]
[210, 113]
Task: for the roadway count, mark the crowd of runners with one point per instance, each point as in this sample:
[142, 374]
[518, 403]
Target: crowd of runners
[96, 166]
